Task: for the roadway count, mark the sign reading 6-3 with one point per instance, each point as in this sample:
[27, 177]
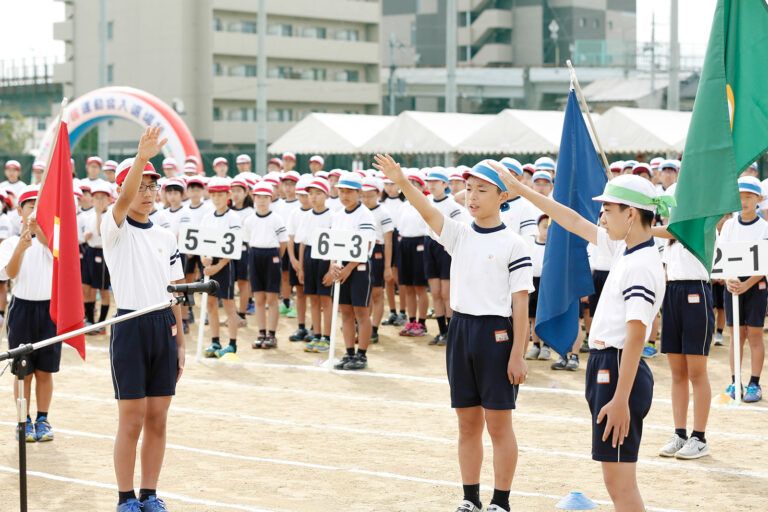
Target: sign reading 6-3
[340, 245]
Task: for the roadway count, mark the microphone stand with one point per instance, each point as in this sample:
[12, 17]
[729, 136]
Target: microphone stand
[19, 367]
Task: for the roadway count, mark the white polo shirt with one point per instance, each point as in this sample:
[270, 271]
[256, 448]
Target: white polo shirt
[142, 259]
[5, 227]
[682, 265]
[411, 224]
[736, 230]
[91, 227]
[394, 205]
[521, 217]
[383, 224]
[196, 213]
[360, 219]
[313, 221]
[633, 290]
[160, 219]
[83, 219]
[297, 226]
[487, 267]
[16, 187]
[285, 208]
[537, 257]
[334, 203]
[33, 282]
[265, 232]
[177, 218]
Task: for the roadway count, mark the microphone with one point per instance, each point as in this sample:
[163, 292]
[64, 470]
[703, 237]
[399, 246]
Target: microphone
[209, 287]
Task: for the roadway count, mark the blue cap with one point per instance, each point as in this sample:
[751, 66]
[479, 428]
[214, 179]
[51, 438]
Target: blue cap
[750, 184]
[670, 164]
[513, 165]
[437, 174]
[350, 180]
[487, 173]
[542, 175]
[544, 163]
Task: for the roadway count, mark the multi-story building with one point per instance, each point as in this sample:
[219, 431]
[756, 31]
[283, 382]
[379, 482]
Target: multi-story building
[518, 33]
[202, 54]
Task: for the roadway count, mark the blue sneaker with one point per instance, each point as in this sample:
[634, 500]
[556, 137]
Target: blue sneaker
[131, 505]
[43, 430]
[649, 351]
[153, 504]
[229, 349]
[731, 391]
[29, 432]
[251, 309]
[754, 393]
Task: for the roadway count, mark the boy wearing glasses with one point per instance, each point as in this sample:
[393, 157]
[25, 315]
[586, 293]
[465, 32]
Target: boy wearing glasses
[147, 352]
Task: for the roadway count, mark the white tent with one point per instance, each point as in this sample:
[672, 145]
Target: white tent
[517, 132]
[425, 132]
[330, 133]
[628, 130]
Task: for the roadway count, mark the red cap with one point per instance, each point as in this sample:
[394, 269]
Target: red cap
[276, 161]
[125, 166]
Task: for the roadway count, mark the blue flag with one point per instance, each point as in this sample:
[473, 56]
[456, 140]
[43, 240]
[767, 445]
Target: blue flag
[566, 276]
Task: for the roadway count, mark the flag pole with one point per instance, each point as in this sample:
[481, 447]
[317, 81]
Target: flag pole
[585, 108]
[52, 149]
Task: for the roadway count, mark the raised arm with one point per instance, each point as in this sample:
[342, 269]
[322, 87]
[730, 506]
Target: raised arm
[661, 232]
[149, 146]
[429, 213]
[567, 218]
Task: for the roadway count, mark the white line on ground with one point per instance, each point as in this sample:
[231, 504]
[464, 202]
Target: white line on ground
[168, 495]
[324, 467]
[685, 466]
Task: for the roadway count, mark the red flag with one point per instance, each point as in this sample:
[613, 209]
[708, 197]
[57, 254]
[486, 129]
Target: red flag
[57, 217]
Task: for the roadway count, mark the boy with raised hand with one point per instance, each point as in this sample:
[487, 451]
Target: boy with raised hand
[147, 352]
[28, 262]
[619, 385]
[490, 278]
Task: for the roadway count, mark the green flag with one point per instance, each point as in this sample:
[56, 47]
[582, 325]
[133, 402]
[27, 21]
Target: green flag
[729, 125]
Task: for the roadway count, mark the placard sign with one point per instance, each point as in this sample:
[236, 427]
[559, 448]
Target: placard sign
[211, 242]
[735, 259]
[340, 245]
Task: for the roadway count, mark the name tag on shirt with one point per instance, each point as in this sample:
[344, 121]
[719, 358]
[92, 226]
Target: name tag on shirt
[361, 268]
[97, 259]
[275, 259]
[378, 256]
[694, 298]
[761, 285]
[173, 330]
[501, 336]
[604, 376]
[420, 248]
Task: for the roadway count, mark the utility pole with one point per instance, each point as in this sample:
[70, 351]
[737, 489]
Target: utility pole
[451, 48]
[261, 90]
[103, 126]
[392, 68]
[673, 90]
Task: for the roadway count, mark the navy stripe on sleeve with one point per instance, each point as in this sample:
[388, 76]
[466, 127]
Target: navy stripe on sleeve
[513, 263]
[641, 289]
[521, 265]
[644, 297]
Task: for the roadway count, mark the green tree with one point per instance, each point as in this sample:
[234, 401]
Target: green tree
[14, 136]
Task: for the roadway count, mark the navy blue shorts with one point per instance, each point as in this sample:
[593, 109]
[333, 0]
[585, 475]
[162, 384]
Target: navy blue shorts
[377, 266]
[410, 272]
[265, 269]
[144, 355]
[476, 357]
[688, 321]
[29, 321]
[241, 265]
[601, 379]
[437, 262]
[285, 262]
[396, 248]
[226, 279]
[97, 274]
[752, 305]
[82, 264]
[356, 290]
[193, 264]
[314, 271]
[717, 295]
[533, 298]
[598, 279]
[293, 278]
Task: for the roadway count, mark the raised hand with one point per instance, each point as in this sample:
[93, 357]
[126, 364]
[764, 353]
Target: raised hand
[390, 168]
[514, 186]
[150, 145]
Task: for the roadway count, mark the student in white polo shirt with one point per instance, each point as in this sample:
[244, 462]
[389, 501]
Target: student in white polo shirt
[147, 352]
[243, 162]
[13, 181]
[521, 216]
[297, 233]
[93, 167]
[220, 167]
[197, 210]
[289, 161]
[95, 266]
[394, 201]
[354, 277]
[267, 239]
[28, 262]
[619, 385]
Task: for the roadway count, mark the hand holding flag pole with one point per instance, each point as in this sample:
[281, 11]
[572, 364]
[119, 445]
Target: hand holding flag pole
[585, 108]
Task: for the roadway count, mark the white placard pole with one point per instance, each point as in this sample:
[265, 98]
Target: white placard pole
[334, 322]
[201, 323]
[736, 349]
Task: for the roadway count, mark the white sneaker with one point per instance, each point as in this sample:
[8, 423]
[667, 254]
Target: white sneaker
[719, 342]
[533, 353]
[545, 353]
[495, 508]
[672, 447]
[693, 449]
[468, 506]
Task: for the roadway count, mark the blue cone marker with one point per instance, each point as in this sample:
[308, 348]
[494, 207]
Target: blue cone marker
[576, 501]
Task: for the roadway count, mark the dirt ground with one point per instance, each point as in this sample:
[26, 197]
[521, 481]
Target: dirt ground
[277, 432]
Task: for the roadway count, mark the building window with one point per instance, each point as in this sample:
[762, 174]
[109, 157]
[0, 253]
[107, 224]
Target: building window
[110, 30]
[316, 74]
[218, 69]
[217, 24]
[42, 125]
[610, 25]
[595, 23]
[353, 112]
[582, 22]
[110, 73]
[348, 35]
[243, 70]
[280, 115]
[283, 73]
[242, 114]
[314, 32]
[280, 29]
[246, 27]
[216, 114]
[348, 75]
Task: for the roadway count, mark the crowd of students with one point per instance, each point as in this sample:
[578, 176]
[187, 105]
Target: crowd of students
[414, 222]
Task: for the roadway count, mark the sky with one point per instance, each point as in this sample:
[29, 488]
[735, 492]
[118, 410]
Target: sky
[26, 29]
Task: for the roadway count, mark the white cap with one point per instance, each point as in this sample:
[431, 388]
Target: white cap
[350, 180]
[317, 159]
[617, 190]
[220, 160]
[169, 163]
[750, 184]
[243, 159]
[218, 184]
[371, 183]
[544, 164]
